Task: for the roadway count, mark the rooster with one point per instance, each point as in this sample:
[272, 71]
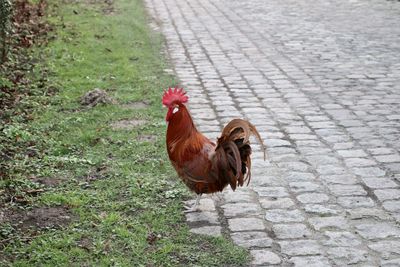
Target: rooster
[206, 167]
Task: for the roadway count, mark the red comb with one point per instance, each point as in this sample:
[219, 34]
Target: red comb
[174, 96]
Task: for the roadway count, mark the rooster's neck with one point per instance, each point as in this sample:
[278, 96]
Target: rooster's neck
[181, 126]
[183, 139]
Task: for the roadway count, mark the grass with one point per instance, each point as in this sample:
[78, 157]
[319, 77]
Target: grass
[121, 198]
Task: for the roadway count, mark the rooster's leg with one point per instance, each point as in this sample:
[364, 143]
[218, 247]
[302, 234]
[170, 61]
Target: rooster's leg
[219, 195]
[197, 200]
[195, 205]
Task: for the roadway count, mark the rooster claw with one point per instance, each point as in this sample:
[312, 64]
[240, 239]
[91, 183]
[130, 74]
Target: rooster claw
[194, 207]
[219, 196]
[189, 209]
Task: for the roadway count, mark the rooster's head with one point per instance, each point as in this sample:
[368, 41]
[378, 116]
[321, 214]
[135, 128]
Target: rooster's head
[173, 99]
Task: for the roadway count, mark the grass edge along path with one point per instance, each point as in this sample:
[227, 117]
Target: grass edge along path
[104, 191]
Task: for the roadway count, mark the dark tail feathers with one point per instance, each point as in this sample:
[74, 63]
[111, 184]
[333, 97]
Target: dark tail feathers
[233, 152]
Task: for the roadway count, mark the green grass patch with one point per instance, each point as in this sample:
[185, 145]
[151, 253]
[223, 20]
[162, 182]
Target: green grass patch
[120, 200]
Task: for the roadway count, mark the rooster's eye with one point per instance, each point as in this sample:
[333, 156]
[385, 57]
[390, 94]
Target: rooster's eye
[175, 110]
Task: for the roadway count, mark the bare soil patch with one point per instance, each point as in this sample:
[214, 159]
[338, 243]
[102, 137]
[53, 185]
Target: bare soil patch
[136, 105]
[98, 173]
[48, 181]
[85, 243]
[38, 218]
[96, 97]
[127, 124]
[147, 138]
[106, 6]
[109, 7]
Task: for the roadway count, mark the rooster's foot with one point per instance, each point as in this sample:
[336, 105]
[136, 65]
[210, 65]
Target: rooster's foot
[194, 207]
[219, 196]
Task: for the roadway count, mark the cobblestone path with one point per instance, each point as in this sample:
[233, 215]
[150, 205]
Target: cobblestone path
[321, 81]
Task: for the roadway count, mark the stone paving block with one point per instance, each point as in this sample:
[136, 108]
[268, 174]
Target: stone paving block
[390, 263]
[333, 139]
[207, 230]
[293, 166]
[355, 202]
[286, 158]
[350, 123]
[300, 247]
[252, 239]
[277, 143]
[322, 125]
[245, 224]
[206, 204]
[342, 146]
[339, 179]
[359, 162]
[346, 255]
[379, 182]
[301, 187]
[262, 257]
[317, 160]
[356, 153]
[298, 130]
[276, 203]
[310, 150]
[369, 172]
[241, 209]
[310, 261]
[239, 196]
[347, 190]
[328, 222]
[295, 230]
[393, 206]
[308, 198]
[316, 118]
[387, 247]
[388, 158]
[387, 194]
[381, 151]
[313, 145]
[375, 230]
[280, 150]
[341, 239]
[361, 213]
[322, 210]
[205, 216]
[302, 137]
[282, 215]
[393, 167]
[271, 191]
[299, 176]
[331, 170]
